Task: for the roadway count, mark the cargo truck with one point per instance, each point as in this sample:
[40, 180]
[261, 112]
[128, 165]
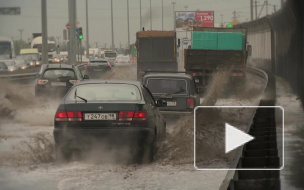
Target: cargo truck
[214, 49]
[156, 51]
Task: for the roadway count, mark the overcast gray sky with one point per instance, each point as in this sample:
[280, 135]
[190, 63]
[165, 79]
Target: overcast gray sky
[100, 16]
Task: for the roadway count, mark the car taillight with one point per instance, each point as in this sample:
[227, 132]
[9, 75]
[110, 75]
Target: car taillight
[132, 116]
[74, 81]
[74, 116]
[41, 82]
[190, 103]
[89, 64]
[194, 74]
[108, 64]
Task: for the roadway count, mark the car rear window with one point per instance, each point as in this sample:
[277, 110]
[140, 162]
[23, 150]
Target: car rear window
[96, 63]
[167, 86]
[59, 73]
[105, 92]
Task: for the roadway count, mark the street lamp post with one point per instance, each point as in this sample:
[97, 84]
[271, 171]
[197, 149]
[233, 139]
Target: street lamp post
[162, 14]
[112, 25]
[128, 23]
[173, 3]
[140, 22]
[150, 15]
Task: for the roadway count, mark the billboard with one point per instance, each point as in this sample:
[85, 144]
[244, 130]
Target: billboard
[185, 20]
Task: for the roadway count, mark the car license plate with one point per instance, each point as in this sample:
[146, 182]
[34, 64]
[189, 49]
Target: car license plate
[100, 116]
[58, 83]
[171, 103]
[197, 80]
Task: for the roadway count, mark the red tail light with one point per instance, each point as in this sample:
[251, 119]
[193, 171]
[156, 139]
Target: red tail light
[237, 74]
[131, 116]
[41, 82]
[89, 64]
[74, 116]
[194, 74]
[108, 64]
[190, 103]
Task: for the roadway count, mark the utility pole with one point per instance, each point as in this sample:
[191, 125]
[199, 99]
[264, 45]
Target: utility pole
[96, 44]
[173, 3]
[140, 22]
[150, 15]
[266, 2]
[186, 7]
[222, 24]
[251, 10]
[256, 9]
[128, 23]
[162, 14]
[44, 32]
[112, 47]
[234, 15]
[20, 30]
[87, 30]
[72, 32]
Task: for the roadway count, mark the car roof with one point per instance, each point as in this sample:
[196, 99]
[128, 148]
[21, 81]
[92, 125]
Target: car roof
[167, 75]
[96, 81]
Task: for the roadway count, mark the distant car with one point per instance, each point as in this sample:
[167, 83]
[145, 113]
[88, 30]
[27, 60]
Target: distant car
[21, 63]
[30, 59]
[114, 111]
[11, 65]
[57, 79]
[122, 59]
[3, 67]
[96, 66]
[178, 89]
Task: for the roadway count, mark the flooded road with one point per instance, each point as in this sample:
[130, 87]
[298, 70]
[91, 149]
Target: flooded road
[27, 159]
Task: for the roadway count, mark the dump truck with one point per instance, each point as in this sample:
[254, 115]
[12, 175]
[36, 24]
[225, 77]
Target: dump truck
[216, 49]
[156, 51]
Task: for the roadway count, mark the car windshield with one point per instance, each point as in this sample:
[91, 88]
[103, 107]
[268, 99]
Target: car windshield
[59, 73]
[106, 92]
[30, 57]
[167, 86]
[110, 55]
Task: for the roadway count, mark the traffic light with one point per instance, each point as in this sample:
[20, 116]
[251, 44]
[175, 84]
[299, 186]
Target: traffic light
[80, 35]
[229, 25]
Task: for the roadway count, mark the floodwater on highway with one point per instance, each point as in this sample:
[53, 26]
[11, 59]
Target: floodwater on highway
[27, 159]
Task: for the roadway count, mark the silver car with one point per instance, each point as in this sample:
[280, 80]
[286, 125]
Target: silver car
[11, 65]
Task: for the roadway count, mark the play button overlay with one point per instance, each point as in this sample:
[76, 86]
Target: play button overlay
[235, 138]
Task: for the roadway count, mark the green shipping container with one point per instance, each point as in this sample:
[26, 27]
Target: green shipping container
[204, 40]
[218, 40]
[230, 41]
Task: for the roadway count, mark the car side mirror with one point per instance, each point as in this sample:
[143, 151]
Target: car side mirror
[161, 103]
[86, 77]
